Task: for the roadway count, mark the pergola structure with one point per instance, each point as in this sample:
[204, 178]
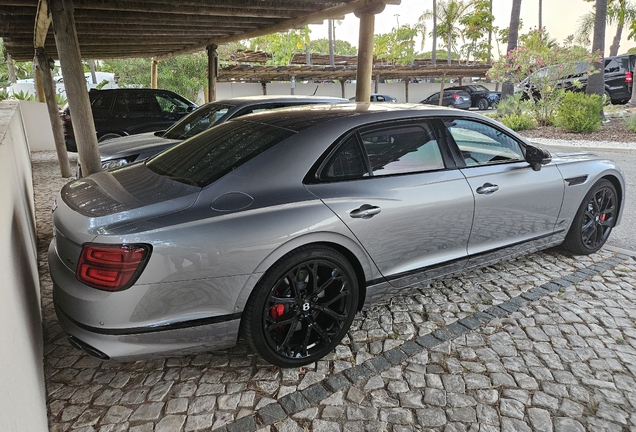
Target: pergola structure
[70, 30]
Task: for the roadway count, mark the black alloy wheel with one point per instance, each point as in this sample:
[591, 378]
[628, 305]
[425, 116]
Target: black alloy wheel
[302, 307]
[594, 220]
[482, 104]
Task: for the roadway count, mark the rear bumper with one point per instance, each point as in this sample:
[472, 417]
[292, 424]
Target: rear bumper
[131, 346]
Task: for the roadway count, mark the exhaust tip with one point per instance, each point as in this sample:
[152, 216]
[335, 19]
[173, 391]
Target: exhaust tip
[94, 352]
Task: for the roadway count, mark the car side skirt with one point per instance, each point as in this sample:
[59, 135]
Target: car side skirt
[383, 290]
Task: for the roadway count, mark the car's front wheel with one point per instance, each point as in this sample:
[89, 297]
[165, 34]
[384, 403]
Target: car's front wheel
[302, 307]
[594, 220]
[482, 104]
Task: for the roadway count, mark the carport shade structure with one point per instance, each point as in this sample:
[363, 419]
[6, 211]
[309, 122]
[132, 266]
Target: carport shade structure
[71, 30]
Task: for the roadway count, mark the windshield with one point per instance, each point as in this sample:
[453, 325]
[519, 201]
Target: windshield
[209, 156]
[198, 121]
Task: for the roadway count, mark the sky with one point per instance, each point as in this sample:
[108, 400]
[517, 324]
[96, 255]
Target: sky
[560, 17]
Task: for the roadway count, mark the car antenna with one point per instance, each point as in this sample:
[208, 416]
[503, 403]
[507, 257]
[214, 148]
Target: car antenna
[314, 94]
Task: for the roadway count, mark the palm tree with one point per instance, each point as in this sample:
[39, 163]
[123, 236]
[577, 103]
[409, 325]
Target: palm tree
[619, 12]
[596, 82]
[421, 28]
[507, 89]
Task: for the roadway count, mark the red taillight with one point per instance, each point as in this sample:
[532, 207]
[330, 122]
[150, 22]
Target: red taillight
[629, 77]
[455, 96]
[111, 268]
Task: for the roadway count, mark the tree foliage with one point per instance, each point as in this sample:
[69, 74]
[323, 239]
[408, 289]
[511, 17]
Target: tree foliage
[282, 46]
[321, 46]
[185, 75]
[541, 70]
[397, 46]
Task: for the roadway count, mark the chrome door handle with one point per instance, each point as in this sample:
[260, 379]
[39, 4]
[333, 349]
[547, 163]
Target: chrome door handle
[365, 212]
[487, 189]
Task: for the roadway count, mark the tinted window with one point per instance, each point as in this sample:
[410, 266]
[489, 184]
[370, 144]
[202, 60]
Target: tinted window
[380, 98]
[347, 163]
[402, 150]
[171, 105]
[209, 156]
[481, 144]
[612, 66]
[200, 120]
[136, 102]
[102, 103]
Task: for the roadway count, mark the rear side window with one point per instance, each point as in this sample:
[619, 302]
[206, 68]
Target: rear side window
[210, 155]
[612, 66]
[102, 103]
[401, 149]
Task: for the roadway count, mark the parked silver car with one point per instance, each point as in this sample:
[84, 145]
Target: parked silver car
[122, 151]
[281, 225]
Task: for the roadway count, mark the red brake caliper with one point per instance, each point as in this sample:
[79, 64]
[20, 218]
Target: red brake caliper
[601, 217]
[276, 312]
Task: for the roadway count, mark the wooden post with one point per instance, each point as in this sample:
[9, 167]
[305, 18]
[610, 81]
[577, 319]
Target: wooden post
[154, 72]
[213, 63]
[365, 52]
[39, 89]
[13, 78]
[342, 86]
[377, 83]
[91, 66]
[75, 84]
[264, 87]
[42, 63]
[406, 89]
[292, 85]
[441, 91]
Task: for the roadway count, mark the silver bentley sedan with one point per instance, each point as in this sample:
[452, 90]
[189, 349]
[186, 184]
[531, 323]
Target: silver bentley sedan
[280, 226]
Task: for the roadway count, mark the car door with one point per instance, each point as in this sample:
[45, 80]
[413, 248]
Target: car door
[399, 193]
[514, 205]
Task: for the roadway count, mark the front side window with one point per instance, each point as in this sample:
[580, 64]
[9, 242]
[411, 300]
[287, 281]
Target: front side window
[102, 103]
[481, 144]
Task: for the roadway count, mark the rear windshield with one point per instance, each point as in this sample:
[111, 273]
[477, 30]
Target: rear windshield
[198, 121]
[209, 156]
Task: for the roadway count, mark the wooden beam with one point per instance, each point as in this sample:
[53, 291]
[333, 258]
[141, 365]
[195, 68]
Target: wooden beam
[42, 24]
[292, 23]
[75, 85]
[42, 61]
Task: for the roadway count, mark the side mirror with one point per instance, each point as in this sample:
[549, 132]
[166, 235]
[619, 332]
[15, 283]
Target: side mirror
[537, 156]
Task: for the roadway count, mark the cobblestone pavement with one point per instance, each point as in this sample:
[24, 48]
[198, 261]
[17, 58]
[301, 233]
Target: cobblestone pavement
[546, 342]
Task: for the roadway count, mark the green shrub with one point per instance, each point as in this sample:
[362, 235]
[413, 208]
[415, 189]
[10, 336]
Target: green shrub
[514, 113]
[631, 123]
[518, 122]
[580, 113]
[25, 96]
[3, 95]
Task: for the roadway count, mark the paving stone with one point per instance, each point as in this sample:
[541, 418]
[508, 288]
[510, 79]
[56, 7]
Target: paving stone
[337, 382]
[565, 424]
[431, 417]
[443, 334]
[396, 356]
[540, 419]
[456, 329]
[171, 423]
[271, 414]
[325, 426]
[149, 411]
[377, 364]
[315, 393]
[357, 373]
[244, 424]
[294, 402]
[410, 348]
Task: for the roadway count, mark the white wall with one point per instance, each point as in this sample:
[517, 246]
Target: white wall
[417, 92]
[37, 125]
[22, 389]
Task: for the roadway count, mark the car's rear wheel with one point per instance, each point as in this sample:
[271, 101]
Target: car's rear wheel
[482, 104]
[451, 105]
[302, 307]
[594, 220]
[108, 136]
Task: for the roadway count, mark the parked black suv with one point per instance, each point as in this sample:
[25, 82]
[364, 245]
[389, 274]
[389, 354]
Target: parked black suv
[129, 111]
[619, 75]
[481, 97]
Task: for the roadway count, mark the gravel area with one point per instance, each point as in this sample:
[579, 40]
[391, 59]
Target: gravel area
[545, 343]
